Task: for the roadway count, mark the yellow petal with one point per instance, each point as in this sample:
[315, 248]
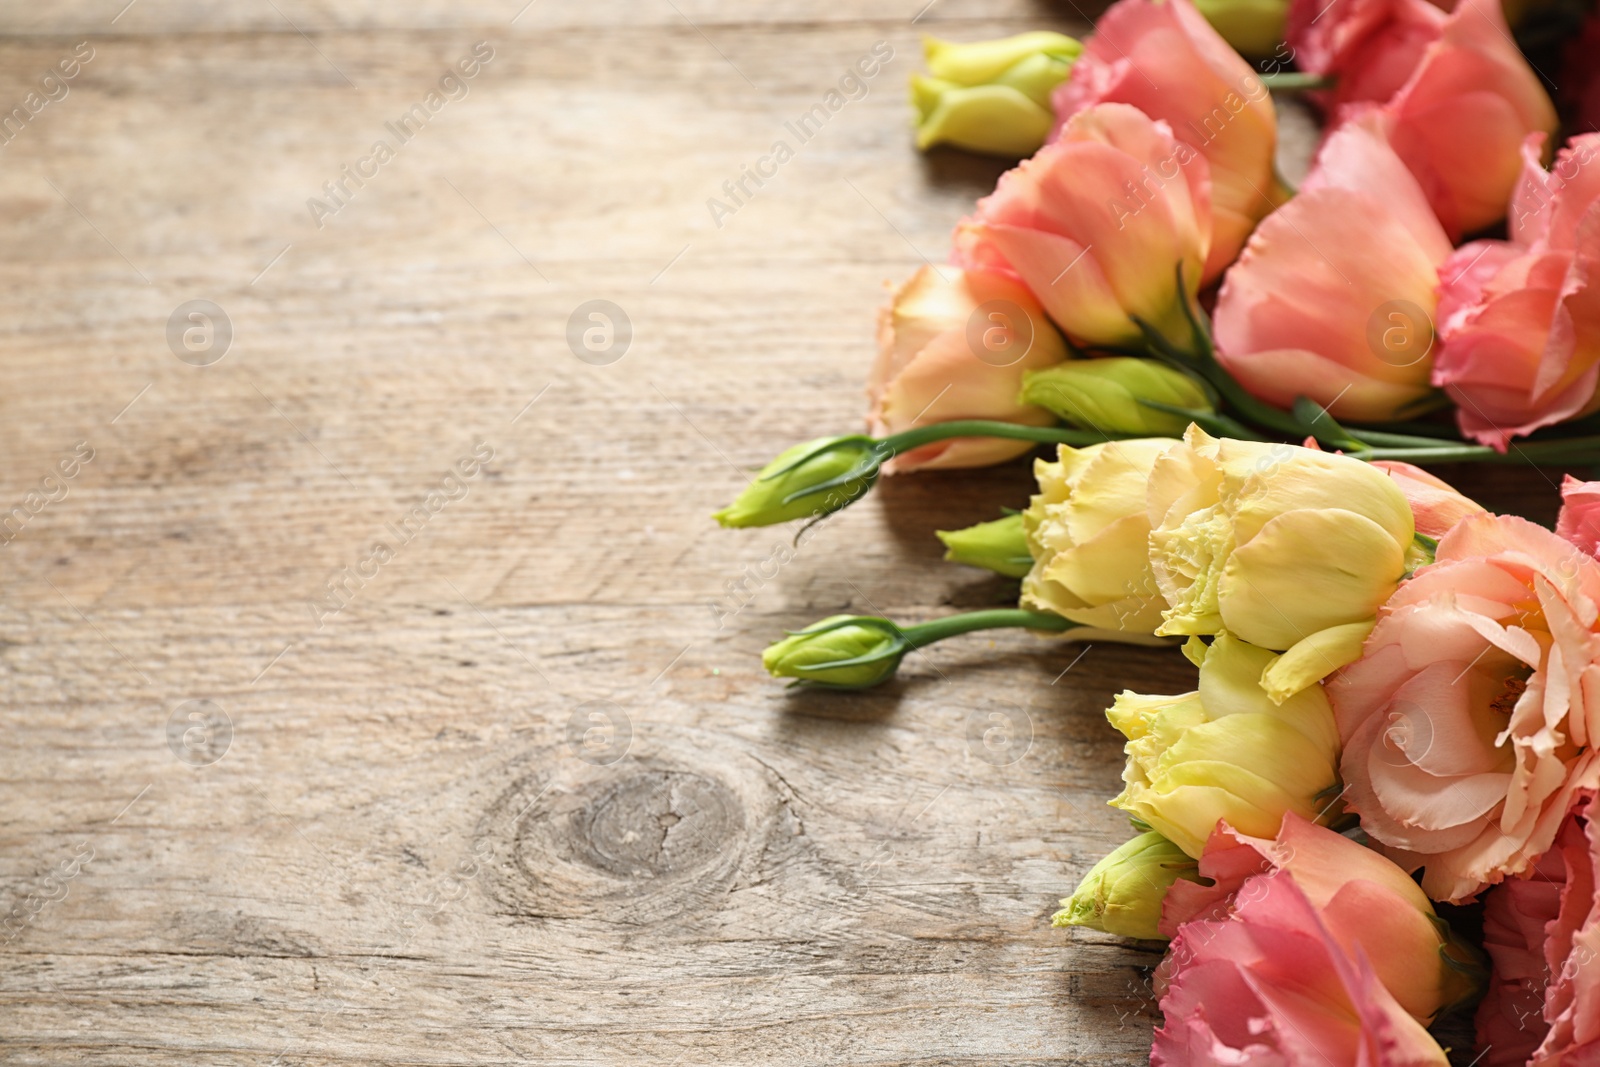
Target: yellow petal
[1313, 658]
[1112, 565]
[1306, 571]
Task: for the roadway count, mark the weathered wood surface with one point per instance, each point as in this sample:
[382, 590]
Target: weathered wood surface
[410, 850]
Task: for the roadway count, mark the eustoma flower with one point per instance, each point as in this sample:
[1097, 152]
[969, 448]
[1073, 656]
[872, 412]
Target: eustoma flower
[1164, 59]
[1520, 319]
[1269, 983]
[957, 348]
[1105, 267]
[1367, 904]
[1469, 721]
[1087, 530]
[1543, 933]
[1460, 118]
[1333, 296]
[1579, 521]
[1226, 752]
[1436, 505]
[1463, 108]
[1369, 47]
[991, 96]
[1288, 548]
[1307, 950]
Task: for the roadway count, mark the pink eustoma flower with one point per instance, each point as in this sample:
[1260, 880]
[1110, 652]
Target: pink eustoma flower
[1368, 905]
[1270, 984]
[1097, 256]
[1455, 96]
[1579, 521]
[1371, 47]
[1543, 934]
[1164, 58]
[1469, 723]
[1333, 296]
[1436, 505]
[955, 346]
[1460, 119]
[1519, 320]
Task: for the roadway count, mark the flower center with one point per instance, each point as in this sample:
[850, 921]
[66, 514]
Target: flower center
[1510, 693]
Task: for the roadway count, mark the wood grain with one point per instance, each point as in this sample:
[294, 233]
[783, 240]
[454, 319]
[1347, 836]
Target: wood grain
[527, 797]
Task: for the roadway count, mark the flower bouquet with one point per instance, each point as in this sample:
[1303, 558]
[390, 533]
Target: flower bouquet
[1241, 384]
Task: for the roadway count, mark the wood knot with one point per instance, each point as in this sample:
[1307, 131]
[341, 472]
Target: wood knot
[639, 841]
[655, 823]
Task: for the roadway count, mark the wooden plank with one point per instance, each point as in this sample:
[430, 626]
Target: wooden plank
[320, 17]
[412, 848]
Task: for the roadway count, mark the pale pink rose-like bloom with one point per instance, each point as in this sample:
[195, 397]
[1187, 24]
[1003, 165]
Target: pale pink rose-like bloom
[1436, 505]
[1371, 46]
[1368, 905]
[1519, 320]
[1579, 521]
[1270, 984]
[1332, 297]
[1469, 723]
[1063, 222]
[1543, 934]
[937, 364]
[1164, 58]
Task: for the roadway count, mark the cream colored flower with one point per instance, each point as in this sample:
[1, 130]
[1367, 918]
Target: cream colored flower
[1088, 531]
[1226, 752]
[1288, 548]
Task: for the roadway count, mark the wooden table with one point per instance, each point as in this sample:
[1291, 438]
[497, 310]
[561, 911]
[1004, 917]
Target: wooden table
[514, 789]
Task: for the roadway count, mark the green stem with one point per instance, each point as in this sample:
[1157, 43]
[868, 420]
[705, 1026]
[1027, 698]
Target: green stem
[1247, 405]
[1385, 439]
[1438, 433]
[927, 633]
[1204, 362]
[1561, 450]
[1293, 81]
[939, 431]
[1388, 446]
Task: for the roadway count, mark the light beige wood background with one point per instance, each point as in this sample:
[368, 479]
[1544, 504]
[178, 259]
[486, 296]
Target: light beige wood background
[402, 855]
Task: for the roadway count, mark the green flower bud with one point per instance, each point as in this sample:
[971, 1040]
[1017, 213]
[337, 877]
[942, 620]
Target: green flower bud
[859, 651]
[991, 96]
[1254, 27]
[1001, 546]
[1122, 894]
[840, 652]
[807, 481]
[1105, 395]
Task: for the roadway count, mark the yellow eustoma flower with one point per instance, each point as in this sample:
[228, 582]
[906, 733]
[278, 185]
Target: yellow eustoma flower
[1088, 532]
[1226, 751]
[1289, 548]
